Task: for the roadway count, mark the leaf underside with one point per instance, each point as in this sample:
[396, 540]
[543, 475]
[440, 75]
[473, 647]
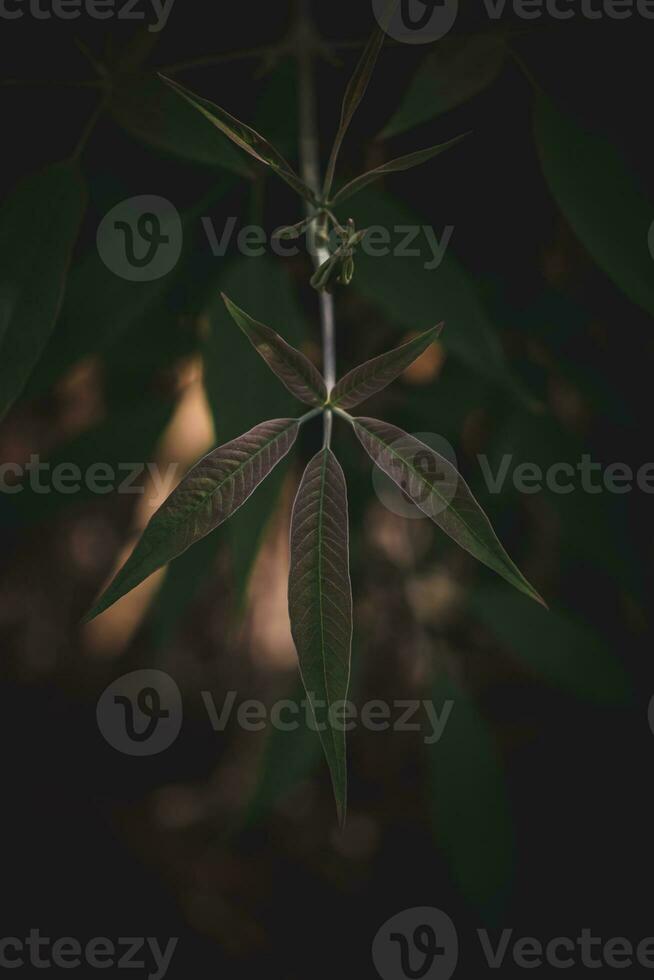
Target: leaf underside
[244, 136]
[434, 485]
[320, 601]
[295, 371]
[216, 487]
[366, 380]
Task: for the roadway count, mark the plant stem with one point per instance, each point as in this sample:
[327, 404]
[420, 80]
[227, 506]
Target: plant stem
[310, 168]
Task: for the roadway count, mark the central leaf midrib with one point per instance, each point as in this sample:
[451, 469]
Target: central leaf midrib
[321, 503]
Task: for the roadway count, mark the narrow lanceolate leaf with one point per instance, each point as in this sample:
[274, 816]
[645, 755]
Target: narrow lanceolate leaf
[247, 138]
[320, 604]
[435, 486]
[394, 166]
[366, 380]
[39, 224]
[293, 369]
[354, 93]
[216, 487]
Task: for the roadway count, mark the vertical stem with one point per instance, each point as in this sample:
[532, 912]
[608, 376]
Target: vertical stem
[310, 167]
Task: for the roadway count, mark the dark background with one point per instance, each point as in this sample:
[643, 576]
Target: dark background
[535, 811]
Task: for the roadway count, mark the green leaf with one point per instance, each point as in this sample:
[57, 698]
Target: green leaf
[354, 93]
[435, 486]
[210, 493]
[152, 113]
[410, 294]
[241, 389]
[470, 808]
[320, 602]
[366, 380]
[39, 225]
[295, 371]
[394, 166]
[459, 69]
[557, 647]
[245, 137]
[598, 195]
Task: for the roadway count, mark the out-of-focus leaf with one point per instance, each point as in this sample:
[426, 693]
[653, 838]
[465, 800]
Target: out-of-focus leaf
[556, 647]
[354, 93]
[366, 380]
[320, 602]
[411, 295]
[122, 444]
[457, 70]
[434, 485]
[150, 111]
[100, 307]
[245, 137]
[288, 758]
[217, 486]
[39, 225]
[600, 200]
[295, 371]
[472, 819]
[406, 162]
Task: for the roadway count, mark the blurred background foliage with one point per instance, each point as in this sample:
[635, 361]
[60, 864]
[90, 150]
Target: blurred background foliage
[534, 806]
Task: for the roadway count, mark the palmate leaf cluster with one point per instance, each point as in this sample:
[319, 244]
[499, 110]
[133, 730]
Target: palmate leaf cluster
[319, 589]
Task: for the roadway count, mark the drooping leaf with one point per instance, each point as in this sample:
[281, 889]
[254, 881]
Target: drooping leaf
[434, 485]
[470, 806]
[154, 114]
[557, 647]
[320, 603]
[458, 69]
[415, 289]
[295, 371]
[354, 93]
[394, 166]
[245, 137]
[600, 199]
[366, 380]
[39, 224]
[217, 486]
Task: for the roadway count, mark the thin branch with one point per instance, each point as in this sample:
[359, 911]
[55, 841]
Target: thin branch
[310, 168]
